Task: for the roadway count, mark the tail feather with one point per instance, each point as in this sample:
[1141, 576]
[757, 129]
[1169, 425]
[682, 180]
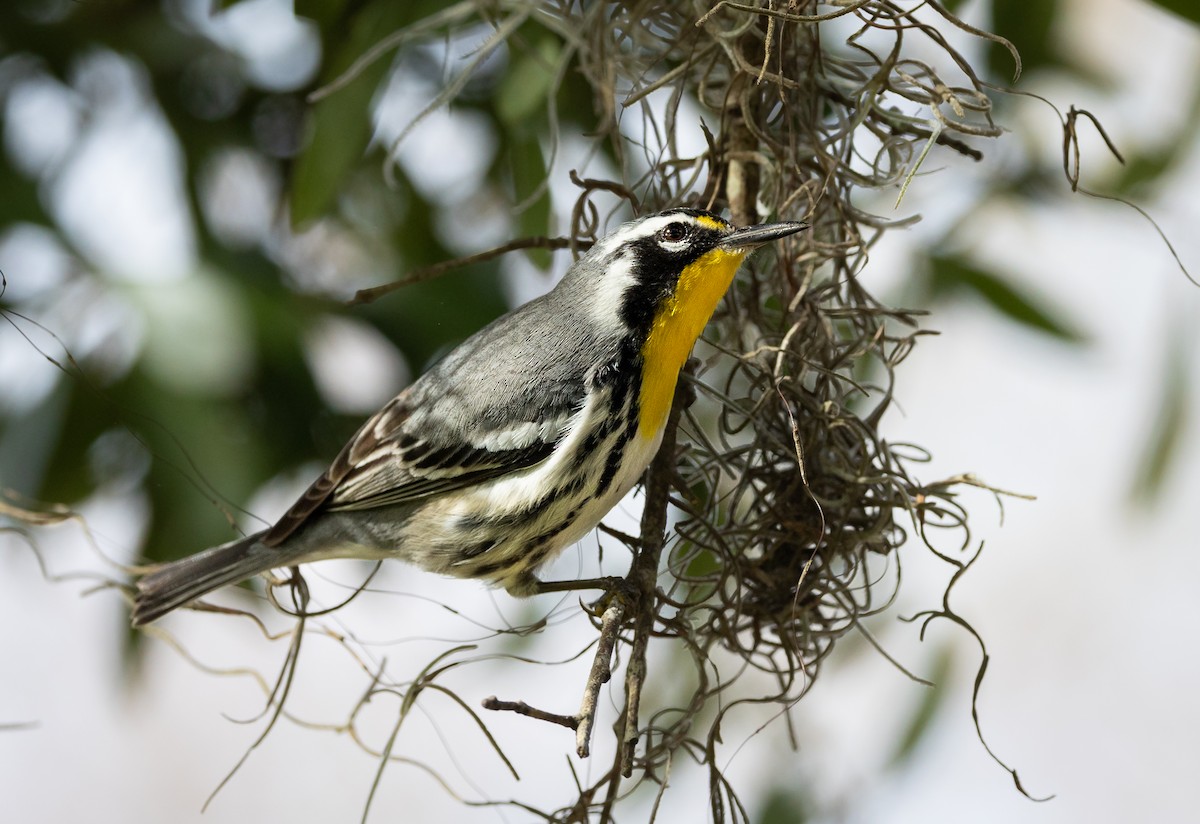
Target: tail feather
[176, 583]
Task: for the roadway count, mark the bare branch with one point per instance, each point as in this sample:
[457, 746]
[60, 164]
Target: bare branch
[521, 708]
[438, 269]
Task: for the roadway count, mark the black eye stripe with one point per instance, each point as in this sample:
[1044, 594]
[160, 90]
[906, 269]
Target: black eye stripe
[656, 267]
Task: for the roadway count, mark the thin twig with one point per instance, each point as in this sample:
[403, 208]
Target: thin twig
[439, 269]
[643, 575]
[521, 708]
[610, 625]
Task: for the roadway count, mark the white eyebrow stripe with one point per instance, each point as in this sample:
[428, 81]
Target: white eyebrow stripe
[638, 229]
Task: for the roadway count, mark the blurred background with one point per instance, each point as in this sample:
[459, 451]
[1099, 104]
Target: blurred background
[180, 232]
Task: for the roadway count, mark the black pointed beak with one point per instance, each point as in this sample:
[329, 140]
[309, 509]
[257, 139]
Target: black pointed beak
[752, 237]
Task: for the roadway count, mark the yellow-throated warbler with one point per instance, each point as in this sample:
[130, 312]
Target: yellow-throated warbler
[519, 441]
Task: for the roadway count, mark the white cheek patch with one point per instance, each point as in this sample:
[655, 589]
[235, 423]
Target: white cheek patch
[608, 295]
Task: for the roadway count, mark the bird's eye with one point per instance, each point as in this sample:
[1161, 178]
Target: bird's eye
[674, 232]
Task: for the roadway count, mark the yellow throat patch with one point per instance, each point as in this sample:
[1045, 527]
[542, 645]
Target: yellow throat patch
[678, 323]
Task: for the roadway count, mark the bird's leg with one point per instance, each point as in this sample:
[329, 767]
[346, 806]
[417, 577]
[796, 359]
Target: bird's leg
[530, 584]
[606, 582]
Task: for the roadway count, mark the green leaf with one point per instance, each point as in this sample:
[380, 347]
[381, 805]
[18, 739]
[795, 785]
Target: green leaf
[953, 275]
[324, 12]
[1187, 9]
[1030, 27]
[926, 710]
[341, 123]
[28, 441]
[1173, 416]
[784, 806]
[526, 84]
[1147, 168]
[21, 201]
[703, 564]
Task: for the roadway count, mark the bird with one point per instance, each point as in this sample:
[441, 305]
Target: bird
[517, 443]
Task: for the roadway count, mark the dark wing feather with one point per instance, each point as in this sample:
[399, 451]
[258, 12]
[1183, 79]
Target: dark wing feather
[385, 464]
[389, 477]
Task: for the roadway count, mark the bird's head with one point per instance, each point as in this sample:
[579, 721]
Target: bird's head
[677, 262]
[659, 278]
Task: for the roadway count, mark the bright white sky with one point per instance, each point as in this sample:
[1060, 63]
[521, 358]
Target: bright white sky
[1088, 604]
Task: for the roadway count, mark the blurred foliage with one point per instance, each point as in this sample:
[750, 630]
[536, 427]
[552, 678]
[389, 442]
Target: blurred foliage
[784, 806]
[1036, 30]
[1030, 27]
[226, 445]
[953, 276]
[926, 710]
[1173, 413]
[1158, 164]
[277, 419]
[334, 209]
[1187, 9]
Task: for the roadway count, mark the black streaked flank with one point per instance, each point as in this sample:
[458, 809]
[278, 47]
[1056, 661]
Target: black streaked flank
[473, 523]
[624, 378]
[537, 554]
[613, 463]
[543, 537]
[490, 569]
